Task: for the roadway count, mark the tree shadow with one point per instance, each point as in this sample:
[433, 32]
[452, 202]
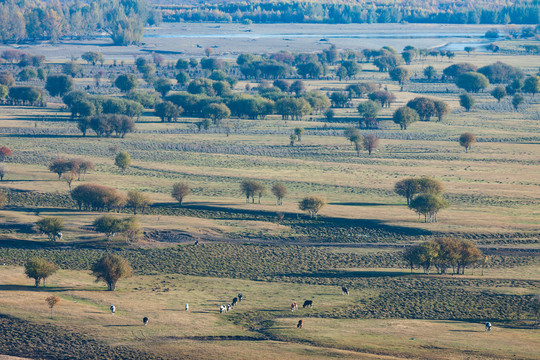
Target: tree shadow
[35, 289]
[350, 274]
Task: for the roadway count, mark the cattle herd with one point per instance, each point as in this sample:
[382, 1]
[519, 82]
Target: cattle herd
[294, 306]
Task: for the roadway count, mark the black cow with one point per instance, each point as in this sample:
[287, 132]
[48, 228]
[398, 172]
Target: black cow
[344, 290]
[300, 324]
[145, 320]
[308, 303]
[234, 301]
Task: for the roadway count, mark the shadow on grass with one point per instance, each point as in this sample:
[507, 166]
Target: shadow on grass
[467, 331]
[351, 274]
[362, 204]
[35, 289]
[122, 325]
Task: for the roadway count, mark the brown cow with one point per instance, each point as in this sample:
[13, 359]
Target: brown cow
[294, 306]
[300, 324]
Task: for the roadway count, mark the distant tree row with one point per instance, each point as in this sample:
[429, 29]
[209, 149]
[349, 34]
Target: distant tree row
[123, 20]
[520, 12]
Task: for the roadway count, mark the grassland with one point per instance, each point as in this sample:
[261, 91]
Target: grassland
[356, 241]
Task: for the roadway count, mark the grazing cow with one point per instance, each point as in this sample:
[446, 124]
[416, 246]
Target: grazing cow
[308, 303]
[113, 309]
[145, 321]
[229, 307]
[488, 326]
[294, 306]
[222, 309]
[58, 235]
[187, 307]
[196, 242]
[344, 291]
[240, 297]
[234, 301]
[300, 324]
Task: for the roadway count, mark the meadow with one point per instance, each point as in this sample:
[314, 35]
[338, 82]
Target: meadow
[272, 254]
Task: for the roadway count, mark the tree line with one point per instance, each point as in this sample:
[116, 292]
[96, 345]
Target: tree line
[466, 12]
[122, 20]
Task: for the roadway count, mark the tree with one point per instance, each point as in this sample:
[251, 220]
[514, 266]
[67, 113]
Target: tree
[407, 188]
[123, 160]
[163, 86]
[501, 73]
[3, 171]
[131, 228]
[4, 92]
[405, 116]
[428, 205]
[250, 188]
[517, 100]
[137, 201]
[98, 197]
[51, 302]
[369, 109]
[472, 82]
[59, 85]
[5, 152]
[84, 167]
[182, 78]
[39, 269]
[371, 142]
[182, 64]
[531, 85]
[298, 132]
[498, 93]
[467, 140]
[424, 107]
[411, 256]
[50, 226]
[280, 191]
[168, 111]
[7, 79]
[179, 191]
[69, 178]
[216, 112]
[72, 69]
[110, 269]
[60, 166]
[466, 101]
[312, 204]
[107, 224]
[27, 73]
[385, 98]
[399, 74]
[298, 87]
[92, 57]
[26, 95]
[430, 72]
[126, 82]
[469, 49]
[441, 109]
